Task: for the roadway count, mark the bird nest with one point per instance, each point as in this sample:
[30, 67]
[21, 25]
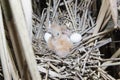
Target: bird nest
[84, 61]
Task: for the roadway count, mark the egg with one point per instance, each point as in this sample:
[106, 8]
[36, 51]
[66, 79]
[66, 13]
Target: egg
[47, 36]
[75, 37]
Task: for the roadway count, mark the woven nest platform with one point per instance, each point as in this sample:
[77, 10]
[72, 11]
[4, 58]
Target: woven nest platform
[85, 61]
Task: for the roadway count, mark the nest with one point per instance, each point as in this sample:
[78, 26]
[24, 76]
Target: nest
[85, 61]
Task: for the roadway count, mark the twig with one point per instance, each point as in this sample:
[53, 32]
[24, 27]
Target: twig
[54, 67]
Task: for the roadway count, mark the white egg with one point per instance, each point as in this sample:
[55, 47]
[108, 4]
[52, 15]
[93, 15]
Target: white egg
[75, 37]
[47, 36]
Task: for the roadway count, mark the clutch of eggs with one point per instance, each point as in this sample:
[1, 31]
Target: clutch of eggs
[74, 37]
